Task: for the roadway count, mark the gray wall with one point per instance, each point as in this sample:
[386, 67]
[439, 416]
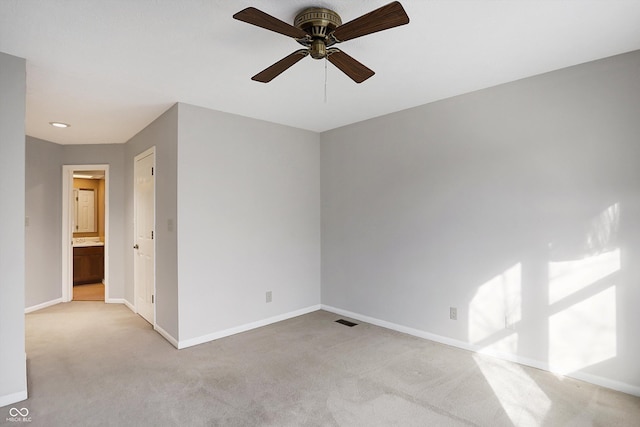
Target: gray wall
[44, 213]
[516, 204]
[519, 201]
[44, 161]
[248, 220]
[13, 370]
[163, 134]
[113, 155]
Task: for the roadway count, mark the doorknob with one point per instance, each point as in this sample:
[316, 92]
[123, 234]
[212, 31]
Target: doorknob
[135, 246]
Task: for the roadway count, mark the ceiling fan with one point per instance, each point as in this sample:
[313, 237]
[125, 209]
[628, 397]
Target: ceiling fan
[318, 29]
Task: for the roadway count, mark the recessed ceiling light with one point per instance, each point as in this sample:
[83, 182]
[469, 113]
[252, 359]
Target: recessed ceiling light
[59, 124]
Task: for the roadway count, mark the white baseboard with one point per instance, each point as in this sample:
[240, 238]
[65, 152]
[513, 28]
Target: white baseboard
[130, 306]
[42, 305]
[8, 399]
[19, 396]
[167, 336]
[246, 327]
[59, 300]
[603, 382]
[120, 301]
[583, 376]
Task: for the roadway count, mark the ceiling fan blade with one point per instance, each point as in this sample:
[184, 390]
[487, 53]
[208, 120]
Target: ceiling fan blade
[389, 16]
[270, 73]
[352, 68]
[253, 16]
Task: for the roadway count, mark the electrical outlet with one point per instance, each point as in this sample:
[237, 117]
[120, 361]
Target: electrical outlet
[269, 296]
[453, 313]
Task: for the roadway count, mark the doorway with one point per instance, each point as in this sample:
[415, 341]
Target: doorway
[85, 229]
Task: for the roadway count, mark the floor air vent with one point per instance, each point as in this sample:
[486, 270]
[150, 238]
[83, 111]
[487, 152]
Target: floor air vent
[346, 323]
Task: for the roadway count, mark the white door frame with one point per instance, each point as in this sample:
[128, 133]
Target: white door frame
[142, 155]
[67, 228]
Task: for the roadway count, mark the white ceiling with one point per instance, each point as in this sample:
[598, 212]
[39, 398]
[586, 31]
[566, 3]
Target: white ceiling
[109, 68]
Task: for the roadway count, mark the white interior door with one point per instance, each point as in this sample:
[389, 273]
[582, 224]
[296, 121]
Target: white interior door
[144, 225]
[85, 218]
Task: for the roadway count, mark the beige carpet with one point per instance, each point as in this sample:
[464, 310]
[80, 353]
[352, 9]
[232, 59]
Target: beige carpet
[99, 364]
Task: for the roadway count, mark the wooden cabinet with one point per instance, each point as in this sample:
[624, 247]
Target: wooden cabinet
[88, 265]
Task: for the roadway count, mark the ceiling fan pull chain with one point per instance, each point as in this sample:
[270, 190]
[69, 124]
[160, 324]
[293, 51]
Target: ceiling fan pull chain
[325, 78]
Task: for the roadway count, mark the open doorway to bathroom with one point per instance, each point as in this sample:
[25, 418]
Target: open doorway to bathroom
[85, 215]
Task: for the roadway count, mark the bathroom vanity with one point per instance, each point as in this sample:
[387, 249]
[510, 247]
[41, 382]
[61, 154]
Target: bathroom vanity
[88, 262]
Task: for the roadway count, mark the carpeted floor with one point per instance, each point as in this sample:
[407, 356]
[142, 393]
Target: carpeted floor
[90, 292]
[99, 364]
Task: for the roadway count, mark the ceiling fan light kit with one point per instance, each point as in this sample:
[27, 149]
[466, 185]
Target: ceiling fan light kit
[318, 29]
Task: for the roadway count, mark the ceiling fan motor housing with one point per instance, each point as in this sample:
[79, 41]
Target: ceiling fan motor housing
[318, 23]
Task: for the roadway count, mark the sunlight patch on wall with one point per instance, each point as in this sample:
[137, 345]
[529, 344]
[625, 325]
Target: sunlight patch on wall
[587, 258]
[568, 277]
[603, 231]
[496, 307]
[584, 331]
[583, 334]
[521, 398]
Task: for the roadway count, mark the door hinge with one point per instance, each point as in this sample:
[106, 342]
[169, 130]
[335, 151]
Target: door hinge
[153, 300]
[152, 235]
[152, 171]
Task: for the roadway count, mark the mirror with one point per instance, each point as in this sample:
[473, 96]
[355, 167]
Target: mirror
[88, 203]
